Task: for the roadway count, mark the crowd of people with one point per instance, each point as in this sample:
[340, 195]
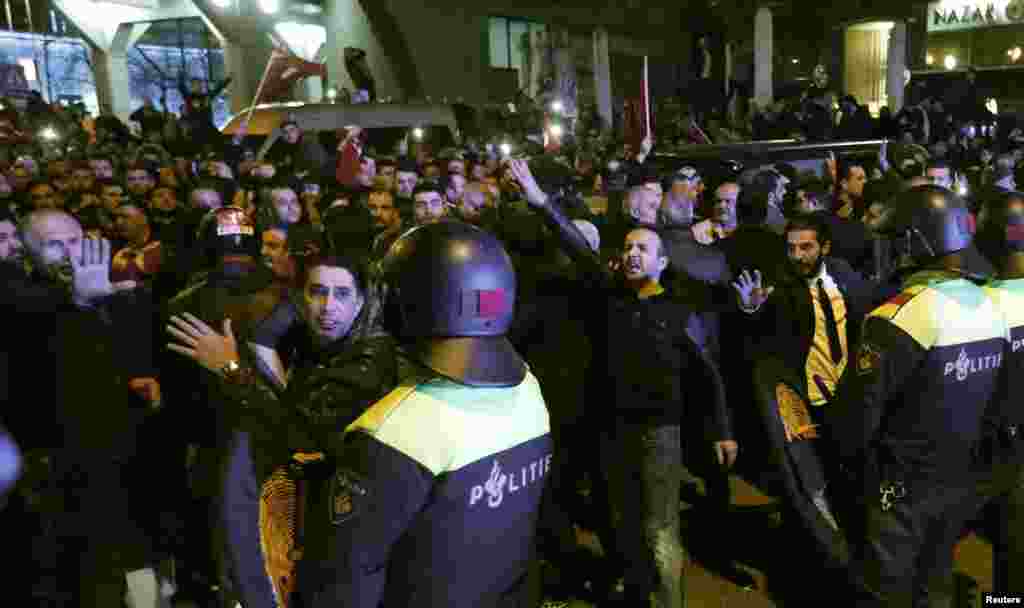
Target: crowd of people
[341, 378]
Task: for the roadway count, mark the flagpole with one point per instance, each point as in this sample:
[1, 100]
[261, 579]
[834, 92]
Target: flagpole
[259, 89]
[647, 101]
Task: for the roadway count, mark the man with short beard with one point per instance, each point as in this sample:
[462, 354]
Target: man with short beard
[97, 344]
[340, 362]
[828, 292]
[429, 205]
[640, 333]
[139, 180]
[381, 204]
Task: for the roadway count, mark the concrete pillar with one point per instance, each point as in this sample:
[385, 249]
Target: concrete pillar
[603, 77]
[312, 89]
[112, 85]
[565, 71]
[763, 57]
[897, 63]
[538, 60]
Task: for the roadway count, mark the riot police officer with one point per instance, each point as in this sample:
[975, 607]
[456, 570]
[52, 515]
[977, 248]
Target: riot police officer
[433, 498]
[1000, 457]
[909, 412]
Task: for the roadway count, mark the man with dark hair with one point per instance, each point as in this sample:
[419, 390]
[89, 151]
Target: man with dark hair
[140, 178]
[849, 188]
[641, 334]
[429, 204]
[140, 258]
[340, 362]
[42, 195]
[804, 326]
[297, 151]
[774, 184]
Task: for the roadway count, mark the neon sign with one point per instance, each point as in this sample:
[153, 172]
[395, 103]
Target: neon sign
[953, 15]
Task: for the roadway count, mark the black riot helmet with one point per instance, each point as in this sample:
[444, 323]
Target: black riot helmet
[1001, 226]
[454, 290]
[931, 220]
[227, 231]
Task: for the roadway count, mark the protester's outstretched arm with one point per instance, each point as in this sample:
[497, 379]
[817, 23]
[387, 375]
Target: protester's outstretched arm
[573, 241]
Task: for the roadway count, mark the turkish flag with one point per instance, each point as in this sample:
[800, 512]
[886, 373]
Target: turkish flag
[284, 69]
[637, 123]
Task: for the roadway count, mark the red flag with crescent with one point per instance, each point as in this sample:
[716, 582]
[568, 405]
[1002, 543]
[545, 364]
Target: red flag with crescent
[284, 69]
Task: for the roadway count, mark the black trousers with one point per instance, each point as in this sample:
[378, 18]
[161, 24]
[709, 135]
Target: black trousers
[1000, 499]
[102, 528]
[905, 554]
[643, 465]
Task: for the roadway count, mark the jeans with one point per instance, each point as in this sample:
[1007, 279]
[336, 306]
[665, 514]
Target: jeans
[644, 468]
[240, 521]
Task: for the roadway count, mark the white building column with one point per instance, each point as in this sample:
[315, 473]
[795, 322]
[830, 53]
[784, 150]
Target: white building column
[603, 77]
[313, 89]
[763, 57]
[112, 83]
[897, 64]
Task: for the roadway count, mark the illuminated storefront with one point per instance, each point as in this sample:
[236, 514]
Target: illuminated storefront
[978, 33]
[865, 62]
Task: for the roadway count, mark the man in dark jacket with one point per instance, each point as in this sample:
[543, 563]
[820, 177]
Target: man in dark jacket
[640, 334]
[341, 363]
[97, 343]
[297, 151]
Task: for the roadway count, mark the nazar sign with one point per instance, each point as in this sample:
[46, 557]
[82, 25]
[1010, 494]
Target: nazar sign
[953, 15]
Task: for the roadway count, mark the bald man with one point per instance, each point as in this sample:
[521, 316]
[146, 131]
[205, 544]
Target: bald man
[85, 366]
[641, 205]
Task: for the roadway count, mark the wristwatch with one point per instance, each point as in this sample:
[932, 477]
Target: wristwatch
[232, 371]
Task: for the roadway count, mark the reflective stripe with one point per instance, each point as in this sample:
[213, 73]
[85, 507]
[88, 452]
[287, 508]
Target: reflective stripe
[926, 316]
[422, 420]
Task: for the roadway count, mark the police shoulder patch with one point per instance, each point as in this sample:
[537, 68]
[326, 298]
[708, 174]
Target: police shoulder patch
[868, 358]
[893, 305]
[348, 495]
